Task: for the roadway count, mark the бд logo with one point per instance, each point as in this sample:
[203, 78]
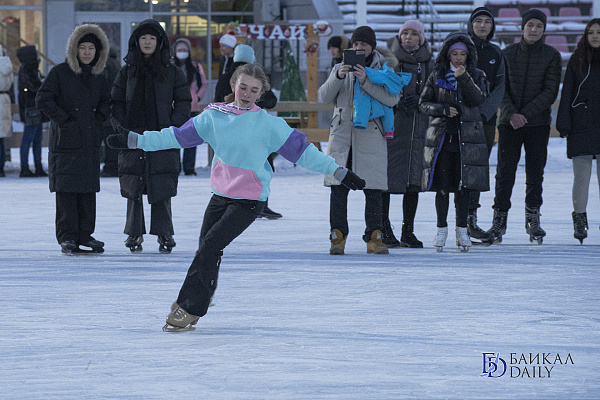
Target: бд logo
[493, 365]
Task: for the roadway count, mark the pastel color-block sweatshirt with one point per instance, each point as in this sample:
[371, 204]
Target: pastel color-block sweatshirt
[242, 141]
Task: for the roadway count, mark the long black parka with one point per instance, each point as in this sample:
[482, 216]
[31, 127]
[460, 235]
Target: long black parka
[405, 150]
[579, 109]
[153, 173]
[76, 98]
[472, 88]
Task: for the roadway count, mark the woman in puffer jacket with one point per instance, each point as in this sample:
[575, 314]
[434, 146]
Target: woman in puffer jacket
[76, 97]
[577, 119]
[456, 158]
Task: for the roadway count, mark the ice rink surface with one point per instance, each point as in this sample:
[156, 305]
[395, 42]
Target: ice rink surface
[289, 320]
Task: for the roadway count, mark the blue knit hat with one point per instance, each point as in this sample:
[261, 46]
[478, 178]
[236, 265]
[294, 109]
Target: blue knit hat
[244, 53]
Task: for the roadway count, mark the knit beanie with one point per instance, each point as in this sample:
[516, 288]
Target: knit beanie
[416, 26]
[480, 11]
[228, 40]
[533, 13]
[335, 41]
[364, 34]
[244, 53]
[457, 45]
[91, 38]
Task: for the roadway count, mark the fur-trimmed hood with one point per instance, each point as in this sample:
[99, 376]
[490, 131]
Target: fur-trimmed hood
[388, 57]
[72, 44]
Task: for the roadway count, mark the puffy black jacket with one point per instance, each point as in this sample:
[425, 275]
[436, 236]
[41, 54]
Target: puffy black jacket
[472, 89]
[579, 110]
[77, 100]
[532, 81]
[154, 173]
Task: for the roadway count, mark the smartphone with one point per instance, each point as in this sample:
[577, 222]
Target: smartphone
[354, 57]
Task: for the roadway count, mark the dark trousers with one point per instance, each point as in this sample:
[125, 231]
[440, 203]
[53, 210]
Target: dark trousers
[510, 141]
[32, 134]
[338, 210]
[189, 159]
[224, 220]
[161, 218]
[410, 201]
[75, 216]
[461, 204]
[489, 129]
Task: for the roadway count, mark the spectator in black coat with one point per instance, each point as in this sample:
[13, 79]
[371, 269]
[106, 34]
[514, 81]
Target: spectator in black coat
[29, 83]
[76, 97]
[578, 119]
[533, 72]
[481, 28]
[149, 93]
[111, 156]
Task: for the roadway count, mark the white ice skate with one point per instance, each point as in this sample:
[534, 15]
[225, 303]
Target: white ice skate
[462, 239]
[440, 239]
[180, 320]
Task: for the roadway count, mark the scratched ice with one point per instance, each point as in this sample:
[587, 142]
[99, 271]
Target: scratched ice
[290, 321]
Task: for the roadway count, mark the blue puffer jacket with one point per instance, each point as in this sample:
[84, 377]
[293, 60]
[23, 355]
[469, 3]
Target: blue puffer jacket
[365, 107]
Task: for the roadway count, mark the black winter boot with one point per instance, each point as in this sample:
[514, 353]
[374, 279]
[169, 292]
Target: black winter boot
[580, 226]
[389, 239]
[532, 225]
[408, 238]
[498, 226]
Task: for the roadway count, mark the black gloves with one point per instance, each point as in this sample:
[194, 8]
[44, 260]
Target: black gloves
[349, 179]
[118, 141]
[410, 101]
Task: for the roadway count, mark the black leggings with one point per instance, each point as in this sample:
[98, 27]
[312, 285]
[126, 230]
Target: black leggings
[461, 203]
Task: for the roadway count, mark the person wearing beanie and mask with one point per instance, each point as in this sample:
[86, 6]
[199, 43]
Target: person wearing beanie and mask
[481, 28]
[456, 158]
[405, 150]
[336, 46]
[364, 151]
[533, 71]
[149, 93]
[198, 84]
[227, 44]
[242, 55]
[577, 120]
[76, 98]
[28, 83]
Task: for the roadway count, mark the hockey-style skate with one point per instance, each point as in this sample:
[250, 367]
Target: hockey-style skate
[166, 244]
[475, 232]
[69, 247]
[180, 320]
[462, 239]
[532, 225]
[134, 243]
[440, 238]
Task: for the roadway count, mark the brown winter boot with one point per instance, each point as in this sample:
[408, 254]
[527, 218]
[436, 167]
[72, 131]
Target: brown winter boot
[338, 242]
[375, 245]
[179, 319]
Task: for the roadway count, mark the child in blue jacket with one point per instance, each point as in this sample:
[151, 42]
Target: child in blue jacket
[242, 136]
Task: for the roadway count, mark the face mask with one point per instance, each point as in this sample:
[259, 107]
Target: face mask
[182, 55]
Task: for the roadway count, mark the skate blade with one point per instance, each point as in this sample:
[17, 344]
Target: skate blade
[538, 240]
[439, 249]
[78, 251]
[170, 328]
[136, 249]
[164, 250]
[463, 249]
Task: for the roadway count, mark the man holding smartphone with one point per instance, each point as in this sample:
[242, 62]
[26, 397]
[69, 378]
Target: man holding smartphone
[363, 150]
